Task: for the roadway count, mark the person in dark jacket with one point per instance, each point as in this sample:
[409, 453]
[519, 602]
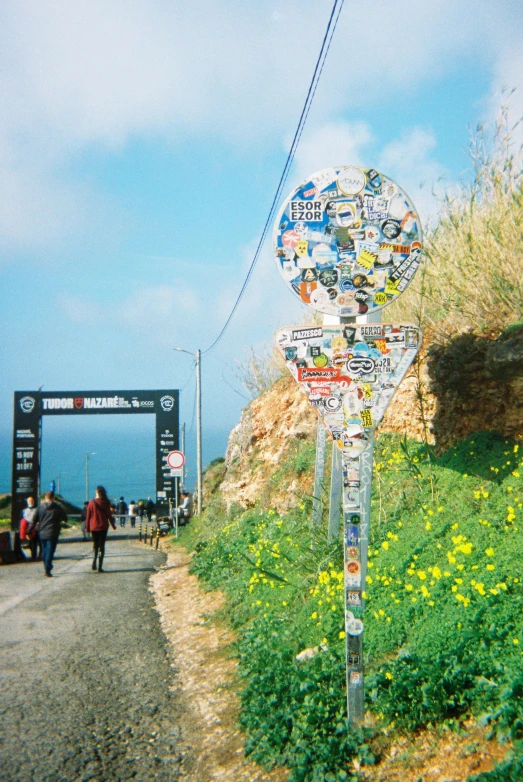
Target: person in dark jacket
[48, 521]
[150, 508]
[122, 510]
[99, 516]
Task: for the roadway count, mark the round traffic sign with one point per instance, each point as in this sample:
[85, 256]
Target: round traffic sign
[348, 241]
[175, 460]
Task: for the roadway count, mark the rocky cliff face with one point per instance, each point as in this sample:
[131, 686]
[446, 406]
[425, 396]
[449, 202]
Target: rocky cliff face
[268, 429]
[466, 385]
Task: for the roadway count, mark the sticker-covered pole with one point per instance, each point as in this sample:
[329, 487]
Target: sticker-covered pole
[319, 472]
[335, 495]
[356, 544]
[348, 242]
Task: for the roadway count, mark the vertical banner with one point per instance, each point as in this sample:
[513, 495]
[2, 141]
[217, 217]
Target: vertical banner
[166, 407]
[26, 451]
[335, 495]
[347, 242]
[319, 473]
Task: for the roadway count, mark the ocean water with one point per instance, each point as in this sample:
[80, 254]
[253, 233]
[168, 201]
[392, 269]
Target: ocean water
[120, 452]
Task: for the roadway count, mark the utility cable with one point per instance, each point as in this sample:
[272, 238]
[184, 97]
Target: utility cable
[327, 39]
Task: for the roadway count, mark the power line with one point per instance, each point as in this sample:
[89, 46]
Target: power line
[327, 39]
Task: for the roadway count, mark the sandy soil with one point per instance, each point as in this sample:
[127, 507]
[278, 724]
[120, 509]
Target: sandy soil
[206, 678]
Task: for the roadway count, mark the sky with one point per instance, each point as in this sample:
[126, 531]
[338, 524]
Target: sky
[141, 143]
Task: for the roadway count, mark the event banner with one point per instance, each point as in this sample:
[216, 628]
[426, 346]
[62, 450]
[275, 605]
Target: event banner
[30, 406]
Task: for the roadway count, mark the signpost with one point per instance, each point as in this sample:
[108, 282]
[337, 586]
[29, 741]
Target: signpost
[176, 461]
[347, 242]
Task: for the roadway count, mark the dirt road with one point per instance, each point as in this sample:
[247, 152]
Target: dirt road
[84, 673]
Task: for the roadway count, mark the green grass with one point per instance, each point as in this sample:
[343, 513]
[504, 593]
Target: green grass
[443, 622]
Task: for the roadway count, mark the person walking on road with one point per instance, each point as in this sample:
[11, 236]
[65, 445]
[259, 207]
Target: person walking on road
[133, 509]
[122, 511]
[25, 524]
[99, 516]
[47, 522]
[150, 508]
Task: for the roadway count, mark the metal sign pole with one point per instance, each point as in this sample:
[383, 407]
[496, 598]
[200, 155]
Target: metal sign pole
[356, 513]
[335, 494]
[319, 472]
[176, 506]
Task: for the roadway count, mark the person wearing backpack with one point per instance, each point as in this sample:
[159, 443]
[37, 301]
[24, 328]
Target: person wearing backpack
[99, 516]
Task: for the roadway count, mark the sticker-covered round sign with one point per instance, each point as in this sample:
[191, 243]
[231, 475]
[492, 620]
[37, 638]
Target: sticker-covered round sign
[348, 241]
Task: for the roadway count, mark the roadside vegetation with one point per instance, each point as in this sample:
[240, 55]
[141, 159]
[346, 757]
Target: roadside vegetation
[471, 277]
[444, 600]
[444, 618]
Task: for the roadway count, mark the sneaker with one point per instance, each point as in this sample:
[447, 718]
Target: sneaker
[48, 573]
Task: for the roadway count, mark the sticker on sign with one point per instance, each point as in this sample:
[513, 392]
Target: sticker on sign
[175, 460]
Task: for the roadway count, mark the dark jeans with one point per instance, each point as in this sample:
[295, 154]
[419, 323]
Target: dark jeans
[48, 549]
[35, 546]
[99, 537]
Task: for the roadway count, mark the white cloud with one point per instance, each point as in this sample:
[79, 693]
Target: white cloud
[332, 144]
[410, 161]
[84, 73]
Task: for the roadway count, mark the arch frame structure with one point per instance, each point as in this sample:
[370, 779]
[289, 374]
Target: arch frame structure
[31, 406]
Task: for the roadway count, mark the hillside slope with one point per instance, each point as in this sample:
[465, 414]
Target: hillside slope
[456, 388]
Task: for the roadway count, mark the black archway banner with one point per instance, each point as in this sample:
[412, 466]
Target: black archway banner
[30, 406]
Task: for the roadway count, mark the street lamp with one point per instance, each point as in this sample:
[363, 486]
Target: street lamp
[87, 455]
[197, 356]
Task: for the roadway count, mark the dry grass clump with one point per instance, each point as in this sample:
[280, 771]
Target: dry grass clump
[259, 370]
[473, 272]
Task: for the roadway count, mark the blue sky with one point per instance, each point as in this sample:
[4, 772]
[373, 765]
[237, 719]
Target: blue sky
[140, 148]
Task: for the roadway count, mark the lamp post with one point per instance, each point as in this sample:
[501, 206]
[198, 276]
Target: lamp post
[87, 455]
[198, 358]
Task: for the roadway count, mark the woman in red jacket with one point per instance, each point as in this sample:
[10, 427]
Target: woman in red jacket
[99, 516]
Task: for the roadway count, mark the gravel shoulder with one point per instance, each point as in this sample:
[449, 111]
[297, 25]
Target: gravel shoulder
[206, 682]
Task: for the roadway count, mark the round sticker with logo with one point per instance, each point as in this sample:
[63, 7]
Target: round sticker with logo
[353, 567]
[339, 344]
[390, 229]
[354, 216]
[351, 180]
[355, 627]
[352, 552]
[380, 298]
[346, 284]
[328, 277]
[320, 361]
